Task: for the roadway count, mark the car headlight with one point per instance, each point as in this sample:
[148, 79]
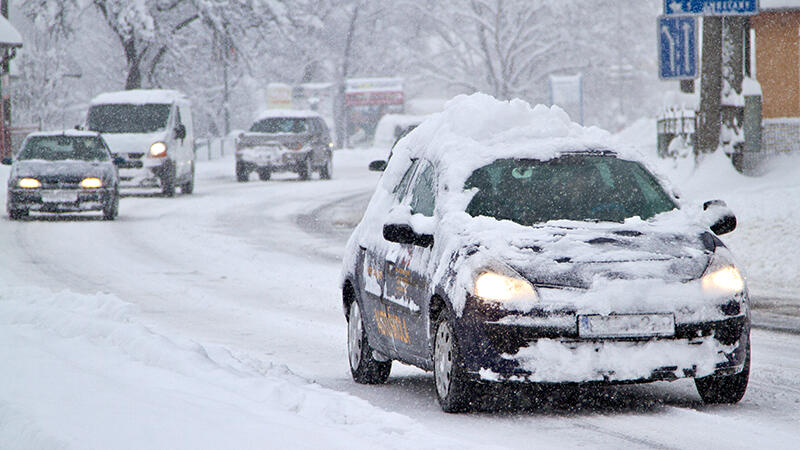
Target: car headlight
[158, 149]
[29, 183]
[498, 287]
[91, 183]
[721, 276]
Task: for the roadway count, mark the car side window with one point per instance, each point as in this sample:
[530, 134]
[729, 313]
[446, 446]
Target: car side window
[423, 195]
[400, 189]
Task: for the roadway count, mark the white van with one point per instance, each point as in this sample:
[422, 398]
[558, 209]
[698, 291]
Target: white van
[152, 130]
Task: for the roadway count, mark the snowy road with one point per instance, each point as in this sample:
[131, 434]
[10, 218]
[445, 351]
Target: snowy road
[213, 321]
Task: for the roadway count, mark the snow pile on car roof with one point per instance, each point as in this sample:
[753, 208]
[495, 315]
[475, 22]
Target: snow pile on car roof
[286, 113]
[138, 97]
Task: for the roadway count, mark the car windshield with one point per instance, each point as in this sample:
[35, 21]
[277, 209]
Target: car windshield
[59, 148]
[126, 118]
[280, 125]
[575, 187]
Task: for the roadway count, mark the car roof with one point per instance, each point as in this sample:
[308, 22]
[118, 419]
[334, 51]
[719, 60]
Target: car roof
[286, 113]
[140, 97]
[69, 133]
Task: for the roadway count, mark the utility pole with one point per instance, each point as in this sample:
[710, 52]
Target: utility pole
[708, 127]
[5, 108]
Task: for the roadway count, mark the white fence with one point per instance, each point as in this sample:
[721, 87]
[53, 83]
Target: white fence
[207, 149]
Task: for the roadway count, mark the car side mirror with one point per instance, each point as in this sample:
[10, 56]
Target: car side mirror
[7, 161]
[720, 218]
[403, 234]
[180, 131]
[377, 166]
[118, 160]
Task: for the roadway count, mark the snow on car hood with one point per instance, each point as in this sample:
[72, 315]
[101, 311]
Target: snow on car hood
[133, 142]
[67, 168]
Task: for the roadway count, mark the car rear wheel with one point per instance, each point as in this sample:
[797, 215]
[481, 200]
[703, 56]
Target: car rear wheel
[725, 389]
[453, 389]
[264, 174]
[305, 169]
[242, 175]
[363, 366]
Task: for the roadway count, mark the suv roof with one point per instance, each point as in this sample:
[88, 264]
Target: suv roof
[287, 113]
[139, 96]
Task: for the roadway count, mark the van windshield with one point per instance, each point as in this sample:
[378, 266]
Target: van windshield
[126, 118]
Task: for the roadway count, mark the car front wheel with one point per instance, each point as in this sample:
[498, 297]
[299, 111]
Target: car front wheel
[17, 214]
[453, 389]
[327, 169]
[725, 389]
[111, 208]
[364, 367]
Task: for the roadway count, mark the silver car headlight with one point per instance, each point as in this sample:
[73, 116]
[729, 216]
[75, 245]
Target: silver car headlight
[721, 277]
[498, 287]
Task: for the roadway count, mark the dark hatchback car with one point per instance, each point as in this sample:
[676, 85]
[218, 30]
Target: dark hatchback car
[568, 265]
[65, 171]
[285, 141]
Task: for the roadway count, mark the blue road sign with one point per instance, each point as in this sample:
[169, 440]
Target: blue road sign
[677, 48]
[711, 7]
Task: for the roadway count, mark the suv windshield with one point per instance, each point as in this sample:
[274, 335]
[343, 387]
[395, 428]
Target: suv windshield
[58, 148]
[280, 125]
[125, 118]
[575, 187]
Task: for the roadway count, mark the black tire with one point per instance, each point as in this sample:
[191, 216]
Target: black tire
[453, 389]
[264, 174]
[363, 366]
[188, 187]
[17, 214]
[111, 209]
[727, 389]
[305, 169]
[326, 171]
[242, 174]
[168, 182]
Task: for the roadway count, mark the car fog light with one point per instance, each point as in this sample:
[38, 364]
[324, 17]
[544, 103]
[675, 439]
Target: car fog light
[29, 183]
[497, 287]
[91, 183]
[726, 280]
[158, 149]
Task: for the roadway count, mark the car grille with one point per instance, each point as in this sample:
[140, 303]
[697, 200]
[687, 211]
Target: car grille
[60, 182]
[135, 155]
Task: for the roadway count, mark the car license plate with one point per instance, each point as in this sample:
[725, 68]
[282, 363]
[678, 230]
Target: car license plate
[59, 196]
[626, 325]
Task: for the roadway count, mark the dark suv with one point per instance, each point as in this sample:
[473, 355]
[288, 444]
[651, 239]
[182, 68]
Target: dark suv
[285, 141]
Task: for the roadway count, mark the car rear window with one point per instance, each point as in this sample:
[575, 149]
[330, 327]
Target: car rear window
[575, 187]
[280, 125]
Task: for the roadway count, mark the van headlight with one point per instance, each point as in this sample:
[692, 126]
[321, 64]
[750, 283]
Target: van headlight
[158, 149]
[721, 277]
[29, 183]
[497, 287]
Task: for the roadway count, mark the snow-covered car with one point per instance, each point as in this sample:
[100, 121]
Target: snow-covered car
[64, 171]
[285, 141]
[152, 129]
[506, 244]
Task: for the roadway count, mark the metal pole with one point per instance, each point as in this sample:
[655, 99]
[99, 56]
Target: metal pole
[708, 128]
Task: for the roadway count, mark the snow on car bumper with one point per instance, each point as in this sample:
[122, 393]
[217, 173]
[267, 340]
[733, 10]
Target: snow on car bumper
[546, 347]
[274, 158]
[71, 200]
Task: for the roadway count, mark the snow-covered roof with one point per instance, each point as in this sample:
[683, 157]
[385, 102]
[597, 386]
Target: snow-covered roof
[287, 113]
[779, 4]
[475, 130]
[9, 36]
[70, 133]
[139, 97]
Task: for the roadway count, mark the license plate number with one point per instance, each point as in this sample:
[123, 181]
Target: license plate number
[626, 325]
[59, 196]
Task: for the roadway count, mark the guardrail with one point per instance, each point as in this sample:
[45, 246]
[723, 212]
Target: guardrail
[207, 149]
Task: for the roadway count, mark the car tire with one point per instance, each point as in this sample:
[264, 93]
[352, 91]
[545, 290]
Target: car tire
[264, 174]
[305, 169]
[188, 187]
[168, 182]
[242, 174]
[17, 214]
[111, 209]
[326, 171]
[363, 366]
[454, 391]
[726, 389]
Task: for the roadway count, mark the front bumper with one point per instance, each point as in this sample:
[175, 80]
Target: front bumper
[150, 175]
[59, 200]
[545, 347]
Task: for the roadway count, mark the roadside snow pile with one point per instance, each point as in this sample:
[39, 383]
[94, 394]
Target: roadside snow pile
[81, 368]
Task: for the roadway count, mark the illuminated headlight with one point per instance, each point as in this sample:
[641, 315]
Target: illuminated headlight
[721, 276]
[501, 288]
[91, 183]
[29, 183]
[158, 149]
